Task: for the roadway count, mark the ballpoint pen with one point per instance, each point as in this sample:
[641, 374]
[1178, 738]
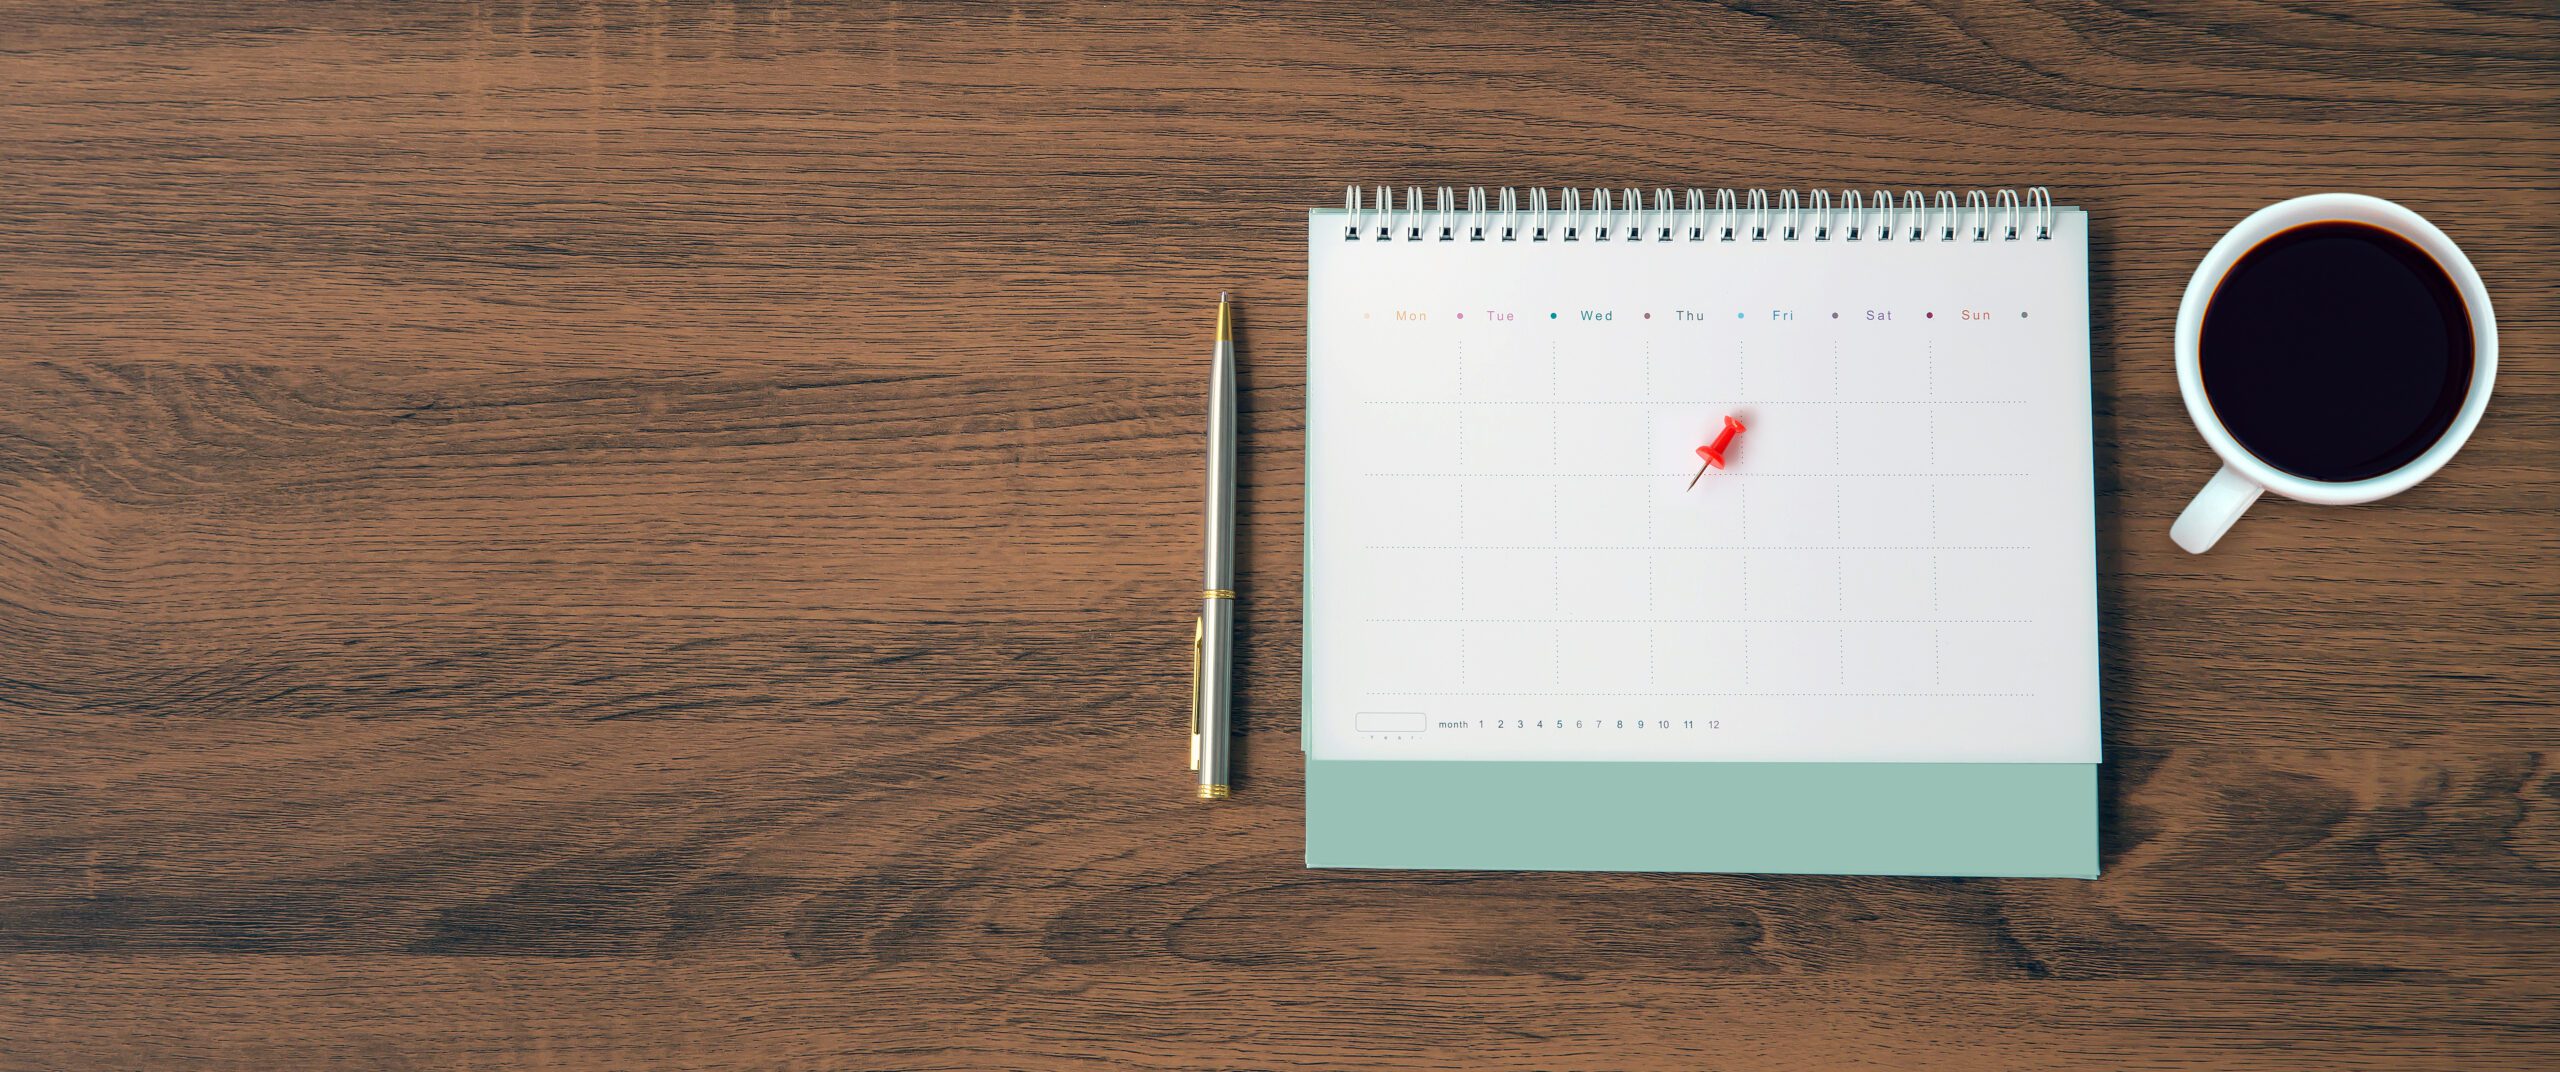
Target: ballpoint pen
[1211, 636]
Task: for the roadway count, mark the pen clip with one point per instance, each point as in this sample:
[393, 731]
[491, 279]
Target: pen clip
[1199, 635]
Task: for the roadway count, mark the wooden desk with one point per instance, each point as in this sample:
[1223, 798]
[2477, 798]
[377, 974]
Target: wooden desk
[573, 536]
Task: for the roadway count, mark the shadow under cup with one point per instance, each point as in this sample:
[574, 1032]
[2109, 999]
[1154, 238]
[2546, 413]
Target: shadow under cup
[2336, 351]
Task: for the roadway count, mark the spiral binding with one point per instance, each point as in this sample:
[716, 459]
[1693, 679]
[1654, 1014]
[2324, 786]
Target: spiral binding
[1623, 215]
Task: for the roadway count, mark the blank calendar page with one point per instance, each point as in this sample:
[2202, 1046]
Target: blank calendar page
[1508, 560]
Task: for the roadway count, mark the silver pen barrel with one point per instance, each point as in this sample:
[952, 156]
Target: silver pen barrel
[1211, 726]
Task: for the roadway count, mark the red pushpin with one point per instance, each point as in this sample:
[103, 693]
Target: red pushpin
[1711, 456]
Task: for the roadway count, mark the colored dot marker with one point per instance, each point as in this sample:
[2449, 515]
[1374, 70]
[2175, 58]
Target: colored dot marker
[1737, 316]
[1932, 316]
[1711, 456]
[1551, 316]
[1462, 316]
[1648, 316]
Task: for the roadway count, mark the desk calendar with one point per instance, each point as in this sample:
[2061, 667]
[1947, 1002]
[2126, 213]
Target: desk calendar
[1507, 400]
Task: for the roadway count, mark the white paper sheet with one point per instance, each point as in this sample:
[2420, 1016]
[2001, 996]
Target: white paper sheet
[1897, 565]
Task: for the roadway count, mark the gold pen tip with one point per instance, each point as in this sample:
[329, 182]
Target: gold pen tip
[1213, 792]
[1226, 324]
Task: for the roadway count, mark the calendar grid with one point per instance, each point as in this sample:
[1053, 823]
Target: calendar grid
[1516, 537]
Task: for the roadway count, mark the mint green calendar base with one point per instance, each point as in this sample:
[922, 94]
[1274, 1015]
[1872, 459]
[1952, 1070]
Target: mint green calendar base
[1957, 819]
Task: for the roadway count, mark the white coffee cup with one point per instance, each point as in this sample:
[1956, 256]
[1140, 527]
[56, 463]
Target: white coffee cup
[2244, 476]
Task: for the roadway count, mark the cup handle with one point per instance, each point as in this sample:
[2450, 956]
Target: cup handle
[2214, 511]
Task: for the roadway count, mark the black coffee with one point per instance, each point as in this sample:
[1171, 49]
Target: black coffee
[2336, 351]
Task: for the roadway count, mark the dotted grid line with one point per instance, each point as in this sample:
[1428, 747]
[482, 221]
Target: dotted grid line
[1462, 626]
[1652, 630]
[1648, 489]
[1460, 345]
[1555, 447]
[1742, 565]
[1839, 563]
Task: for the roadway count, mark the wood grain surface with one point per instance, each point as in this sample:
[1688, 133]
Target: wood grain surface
[662, 536]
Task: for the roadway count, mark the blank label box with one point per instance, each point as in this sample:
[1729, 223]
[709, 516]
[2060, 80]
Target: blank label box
[1390, 721]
